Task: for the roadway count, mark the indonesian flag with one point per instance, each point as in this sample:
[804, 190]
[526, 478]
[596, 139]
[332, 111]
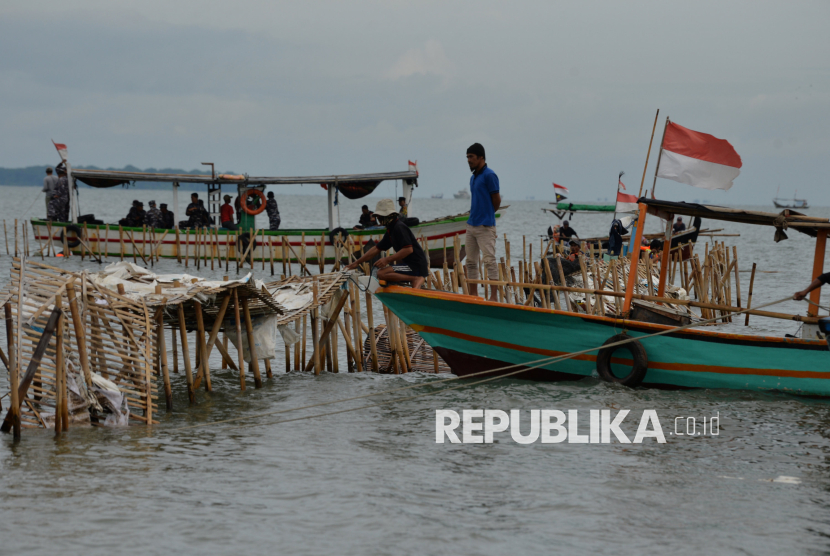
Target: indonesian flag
[698, 159]
[626, 203]
[61, 148]
[414, 166]
[560, 189]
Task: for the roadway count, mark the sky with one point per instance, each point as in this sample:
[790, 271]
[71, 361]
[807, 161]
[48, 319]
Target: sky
[555, 91]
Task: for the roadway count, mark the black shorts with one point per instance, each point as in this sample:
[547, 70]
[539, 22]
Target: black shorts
[404, 269]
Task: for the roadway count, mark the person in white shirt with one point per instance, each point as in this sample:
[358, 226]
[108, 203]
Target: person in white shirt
[50, 182]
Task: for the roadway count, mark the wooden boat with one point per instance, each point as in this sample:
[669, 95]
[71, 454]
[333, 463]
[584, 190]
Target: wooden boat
[473, 335]
[790, 203]
[313, 245]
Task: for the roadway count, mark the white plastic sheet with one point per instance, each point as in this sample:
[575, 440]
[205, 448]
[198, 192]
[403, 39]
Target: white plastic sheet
[265, 337]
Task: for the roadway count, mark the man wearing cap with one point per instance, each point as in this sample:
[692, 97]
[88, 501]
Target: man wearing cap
[168, 219]
[153, 216]
[58, 209]
[481, 226]
[50, 182]
[226, 214]
[409, 263]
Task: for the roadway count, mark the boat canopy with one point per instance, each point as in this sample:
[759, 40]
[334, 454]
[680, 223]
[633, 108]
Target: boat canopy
[809, 225]
[353, 186]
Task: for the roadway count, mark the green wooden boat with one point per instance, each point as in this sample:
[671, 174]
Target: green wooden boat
[473, 335]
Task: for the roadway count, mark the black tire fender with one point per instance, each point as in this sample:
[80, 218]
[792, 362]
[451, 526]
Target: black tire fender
[79, 233]
[638, 355]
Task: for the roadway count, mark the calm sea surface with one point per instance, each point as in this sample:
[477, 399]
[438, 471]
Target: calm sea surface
[375, 482]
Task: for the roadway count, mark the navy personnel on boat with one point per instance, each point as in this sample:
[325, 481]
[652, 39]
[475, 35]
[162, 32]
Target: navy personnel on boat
[195, 214]
[273, 212]
[153, 216]
[409, 263]
[817, 283]
[136, 217]
[58, 210]
[50, 182]
[168, 219]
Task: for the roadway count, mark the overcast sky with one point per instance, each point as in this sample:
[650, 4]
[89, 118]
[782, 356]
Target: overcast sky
[563, 92]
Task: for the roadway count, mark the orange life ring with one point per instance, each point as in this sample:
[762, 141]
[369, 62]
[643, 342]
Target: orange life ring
[254, 192]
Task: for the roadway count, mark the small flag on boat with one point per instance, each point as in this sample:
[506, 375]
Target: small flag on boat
[619, 181]
[61, 148]
[697, 159]
[626, 203]
[560, 192]
[414, 166]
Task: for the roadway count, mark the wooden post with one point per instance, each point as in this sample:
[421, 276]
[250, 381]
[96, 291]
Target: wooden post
[175, 350]
[201, 347]
[6, 235]
[271, 251]
[80, 332]
[562, 279]
[15, 237]
[664, 259]
[737, 276]
[315, 341]
[297, 345]
[188, 371]
[14, 370]
[121, 240]
[818, 269]
[60, 377]
[635, 258]
[358, 342]
[178, 246]
[749, 295]
[249, 328]
[240, 348]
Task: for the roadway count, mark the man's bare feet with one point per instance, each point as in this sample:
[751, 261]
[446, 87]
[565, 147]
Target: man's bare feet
[417, 282]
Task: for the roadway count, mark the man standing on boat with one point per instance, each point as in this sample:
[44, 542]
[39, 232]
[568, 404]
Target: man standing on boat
[226, 213]
[50, 182]
[409, 263]
[481, 226]
[273, 212]
[679, 226]
[58, 209]
[402, 210]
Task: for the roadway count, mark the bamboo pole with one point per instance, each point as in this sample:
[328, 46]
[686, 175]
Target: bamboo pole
[749, 295]
[162, 349]
[297, 346]
[204, 364]
[14, 374]
[315, 341]
[80, 333]
[562, 280]
[6, 235]
[60, 372]
[188, 371]
[372, 340]
[237, 312]
[15, 238]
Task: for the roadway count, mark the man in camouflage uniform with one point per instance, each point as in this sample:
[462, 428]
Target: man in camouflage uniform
[59, 203]
[153, 217]
[273, 212]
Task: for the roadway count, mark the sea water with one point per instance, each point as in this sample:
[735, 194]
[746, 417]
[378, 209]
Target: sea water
[374, 481]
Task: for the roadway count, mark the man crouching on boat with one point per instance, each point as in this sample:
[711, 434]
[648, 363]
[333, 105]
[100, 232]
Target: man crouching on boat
[409, 263]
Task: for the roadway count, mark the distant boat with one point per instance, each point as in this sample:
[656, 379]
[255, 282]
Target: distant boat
[462, 194]
[438, 196]
[790, 204]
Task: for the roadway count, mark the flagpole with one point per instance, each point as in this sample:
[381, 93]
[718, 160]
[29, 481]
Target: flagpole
[653, 128]
[659, 157]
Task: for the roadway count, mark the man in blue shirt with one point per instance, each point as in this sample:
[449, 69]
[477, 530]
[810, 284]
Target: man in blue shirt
[481, 226]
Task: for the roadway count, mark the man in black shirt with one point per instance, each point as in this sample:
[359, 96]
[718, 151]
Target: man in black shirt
[367, 219]
[409, 263]
[167, 217]
[679, 226]
[566, 232]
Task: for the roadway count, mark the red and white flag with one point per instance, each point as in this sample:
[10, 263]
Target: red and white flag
[626, 203]
[698, 159]
[61, 148]
[560, 189]
[414, 166]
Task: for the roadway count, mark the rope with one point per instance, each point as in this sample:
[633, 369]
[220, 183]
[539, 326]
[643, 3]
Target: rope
[523, 367]
[816, 304]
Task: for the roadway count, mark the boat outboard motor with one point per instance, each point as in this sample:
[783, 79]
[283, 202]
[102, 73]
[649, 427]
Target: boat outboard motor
[824, 326]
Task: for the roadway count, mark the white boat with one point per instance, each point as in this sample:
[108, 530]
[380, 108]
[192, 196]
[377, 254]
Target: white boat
[462, 194]
[438, 196]
[308, 244]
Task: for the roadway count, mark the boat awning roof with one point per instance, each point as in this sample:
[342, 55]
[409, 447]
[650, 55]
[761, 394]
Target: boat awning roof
[785, 219]
[111, 178]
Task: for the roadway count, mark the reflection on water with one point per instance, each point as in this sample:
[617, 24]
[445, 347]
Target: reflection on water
[375, 482]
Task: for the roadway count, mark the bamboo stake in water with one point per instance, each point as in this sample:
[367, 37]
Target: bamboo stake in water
[6, 235]
[315, 341]
[372, 340]
[15, 237]
[749, 295]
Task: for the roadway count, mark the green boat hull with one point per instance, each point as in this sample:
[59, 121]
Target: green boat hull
[474, 335]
